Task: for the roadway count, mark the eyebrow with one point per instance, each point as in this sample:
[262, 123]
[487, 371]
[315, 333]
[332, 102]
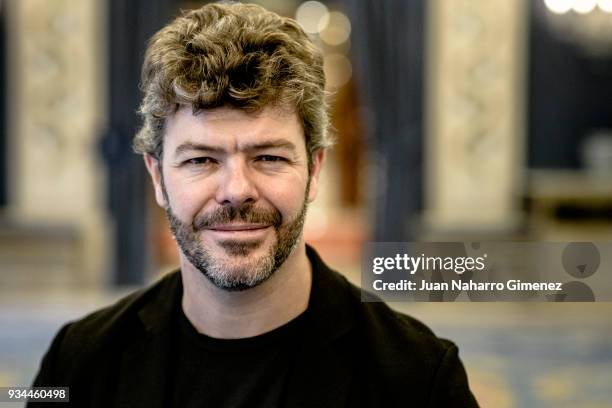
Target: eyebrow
[188, 146]
[268, 144]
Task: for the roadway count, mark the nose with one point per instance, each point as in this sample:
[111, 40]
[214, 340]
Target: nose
[236, 186]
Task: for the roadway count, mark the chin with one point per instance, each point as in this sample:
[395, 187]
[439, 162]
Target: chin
[239, 276]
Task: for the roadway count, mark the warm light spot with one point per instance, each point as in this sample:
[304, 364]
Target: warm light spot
[605, 5]
[584, 6]
[559, 6]
[312, 15]
[336, 30]
[338, 70]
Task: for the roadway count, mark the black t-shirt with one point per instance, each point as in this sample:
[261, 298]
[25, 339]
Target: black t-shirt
[236, 373]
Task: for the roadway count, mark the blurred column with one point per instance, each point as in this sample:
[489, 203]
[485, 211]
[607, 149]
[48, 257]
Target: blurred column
[131, 24]
[56, 106]
[3, 115]
[475, 122]
[387, 44]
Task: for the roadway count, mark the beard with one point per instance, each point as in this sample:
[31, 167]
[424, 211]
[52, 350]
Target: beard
[238, 270]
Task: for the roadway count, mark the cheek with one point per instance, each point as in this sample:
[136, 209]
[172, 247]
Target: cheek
[187, 198]
[286, 197]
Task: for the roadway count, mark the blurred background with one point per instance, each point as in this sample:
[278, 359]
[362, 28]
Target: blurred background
[456, 120]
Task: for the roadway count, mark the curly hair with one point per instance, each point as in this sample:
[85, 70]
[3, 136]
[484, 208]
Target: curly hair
[232, 54]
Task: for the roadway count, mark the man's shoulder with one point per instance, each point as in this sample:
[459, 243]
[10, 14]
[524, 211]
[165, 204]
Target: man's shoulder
[128, 306]
[374, 324]
[118, 321]
[396, 330]
[401, 353]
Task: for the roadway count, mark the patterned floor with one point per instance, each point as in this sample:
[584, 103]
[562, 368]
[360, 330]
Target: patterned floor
[529, 356]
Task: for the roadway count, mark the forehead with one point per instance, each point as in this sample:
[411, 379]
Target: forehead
[226, 127]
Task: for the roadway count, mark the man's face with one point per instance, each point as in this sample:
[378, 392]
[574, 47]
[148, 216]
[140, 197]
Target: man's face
[235, 187]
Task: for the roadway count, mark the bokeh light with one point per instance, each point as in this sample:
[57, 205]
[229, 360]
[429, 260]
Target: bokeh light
[338, 70]
[312, 15]
[605, 5]
[336, 30]
[584, 6]
[559, 6]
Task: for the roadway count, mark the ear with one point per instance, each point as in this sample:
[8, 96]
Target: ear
[154, 169]
[318, 158]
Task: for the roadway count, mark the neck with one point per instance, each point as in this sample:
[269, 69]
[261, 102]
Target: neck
[229, 315]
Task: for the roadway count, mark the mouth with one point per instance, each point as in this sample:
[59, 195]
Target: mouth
[238, 227]
[239, 232]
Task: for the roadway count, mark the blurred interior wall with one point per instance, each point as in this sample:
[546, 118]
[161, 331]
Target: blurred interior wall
[570, 86]
[476, 69]
[55, 91]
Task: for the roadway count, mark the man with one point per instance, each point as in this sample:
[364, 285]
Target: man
[234, 138]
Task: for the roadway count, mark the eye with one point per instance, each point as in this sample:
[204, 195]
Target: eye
[270, 158]
[198, 161]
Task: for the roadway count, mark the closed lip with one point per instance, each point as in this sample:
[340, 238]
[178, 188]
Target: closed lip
[238, 227]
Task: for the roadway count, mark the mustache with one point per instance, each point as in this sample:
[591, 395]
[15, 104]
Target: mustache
[246, 213]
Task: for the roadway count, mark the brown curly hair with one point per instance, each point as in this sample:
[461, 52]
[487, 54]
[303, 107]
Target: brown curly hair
[232, 54]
